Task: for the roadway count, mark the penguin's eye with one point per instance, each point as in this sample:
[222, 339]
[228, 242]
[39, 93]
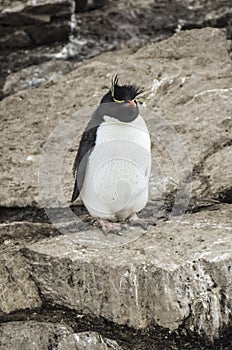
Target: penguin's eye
[118, 101]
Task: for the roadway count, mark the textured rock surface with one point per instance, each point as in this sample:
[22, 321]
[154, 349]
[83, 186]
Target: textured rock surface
[161, 278]
[217, 170]
[29, 23]
[119, 24]
[17, 289]
[43, 335]
[172, 283]
[182, 81]
[35, 75]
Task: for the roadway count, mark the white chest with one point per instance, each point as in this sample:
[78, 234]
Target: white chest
[117, 174]
[112, 129]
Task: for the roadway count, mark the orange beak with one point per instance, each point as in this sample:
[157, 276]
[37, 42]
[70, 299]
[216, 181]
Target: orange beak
[131, 103]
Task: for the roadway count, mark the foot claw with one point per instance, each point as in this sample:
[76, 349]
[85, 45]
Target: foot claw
[110, 227]
[134, 220]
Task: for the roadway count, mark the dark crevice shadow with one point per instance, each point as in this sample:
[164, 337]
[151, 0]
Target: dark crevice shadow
[152, 338]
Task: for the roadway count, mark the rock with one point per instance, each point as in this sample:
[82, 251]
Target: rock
[119, 24]
[59, 273]
[27, 231]
[219, 177]
[15, 39]
[85, 5]
[29, 23]
[182, 80]
[176, 275]
[17, 289]
[36, 75]
[94, 341]
[33, 335]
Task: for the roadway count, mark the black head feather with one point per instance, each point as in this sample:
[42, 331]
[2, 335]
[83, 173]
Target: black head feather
[121, 93]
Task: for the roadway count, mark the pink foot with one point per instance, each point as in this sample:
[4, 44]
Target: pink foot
[134, 220]
[110, 226]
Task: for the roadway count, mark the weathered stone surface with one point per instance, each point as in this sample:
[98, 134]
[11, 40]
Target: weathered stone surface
[94, 341]
[10, 11]
[119, 24]
[29, 23]
[188, 80]
[85, 5]
[217, 170]
[17, 289]
[33, 335]
[178, 273]
[36, 75]
[25, 231]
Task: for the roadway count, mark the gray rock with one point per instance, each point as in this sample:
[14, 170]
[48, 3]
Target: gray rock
[217, 170]
[29, 23]
[36, 75]
[94, 341]
[17, 38]
[188, 82]
[85, 5]
[119, 24]
[17, 289]
[25, 231]
[32, 335]
[177, 273]
[10, 12]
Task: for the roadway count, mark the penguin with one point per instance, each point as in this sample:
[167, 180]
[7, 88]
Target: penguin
[113, 162]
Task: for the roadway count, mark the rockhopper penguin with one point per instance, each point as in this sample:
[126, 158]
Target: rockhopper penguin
[112, 165]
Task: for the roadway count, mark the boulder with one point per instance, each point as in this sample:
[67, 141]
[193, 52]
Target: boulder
[176, 275]
[28, 23]
[17, 289]
[57, 265]
[183, 76]
[86, 5]
[219, 178]
[32, 335]
[35, 75]
[119, 24]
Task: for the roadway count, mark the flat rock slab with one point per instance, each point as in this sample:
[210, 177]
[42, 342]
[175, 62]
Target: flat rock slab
[188, 110]
[34, 75]
[17, 289]
[33, 335]
[176, 273]
[25, 24]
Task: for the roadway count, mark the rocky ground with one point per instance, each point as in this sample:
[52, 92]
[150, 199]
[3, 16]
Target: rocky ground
[64, 284]
[28, 61]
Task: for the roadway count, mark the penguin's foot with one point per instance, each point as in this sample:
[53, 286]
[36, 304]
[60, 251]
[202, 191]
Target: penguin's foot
[110, 226]
[134, 220]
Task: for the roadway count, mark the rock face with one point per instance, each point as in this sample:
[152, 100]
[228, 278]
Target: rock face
[30, 24]
[161, 278]
[182, 81]
[36, 75]
[44, 335]
[18, 291]
[64, 275]
[35, 22]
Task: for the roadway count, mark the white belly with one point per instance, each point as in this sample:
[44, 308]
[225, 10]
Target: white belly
[118, 170]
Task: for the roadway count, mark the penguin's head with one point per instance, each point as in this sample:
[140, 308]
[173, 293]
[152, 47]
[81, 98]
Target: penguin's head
[122, 98]
[124, 94]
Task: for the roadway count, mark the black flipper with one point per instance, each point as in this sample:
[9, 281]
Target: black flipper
[85, 148]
